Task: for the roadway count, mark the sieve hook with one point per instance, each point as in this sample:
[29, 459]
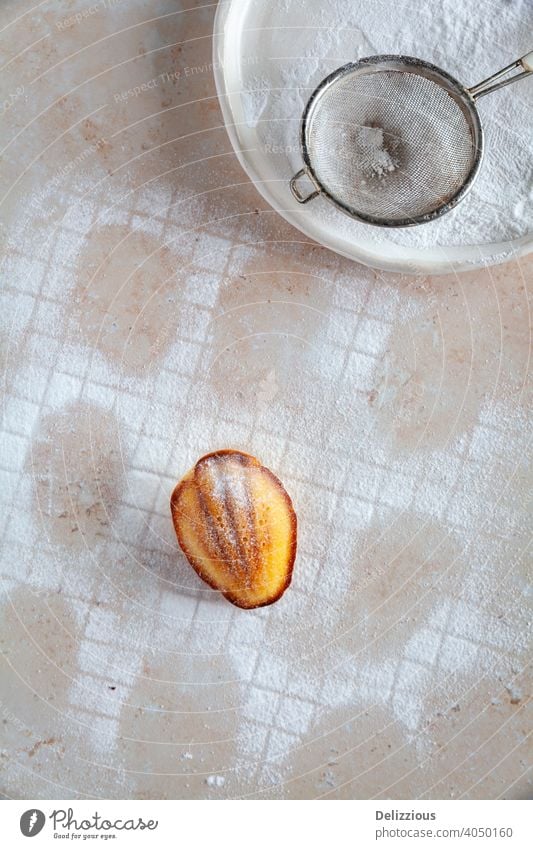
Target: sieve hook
[296, 191]
[504, 77]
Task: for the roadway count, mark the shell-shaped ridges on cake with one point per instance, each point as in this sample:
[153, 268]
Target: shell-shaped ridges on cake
[237, 527]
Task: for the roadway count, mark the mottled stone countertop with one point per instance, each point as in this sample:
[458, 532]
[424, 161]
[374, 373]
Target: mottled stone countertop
[155, 308]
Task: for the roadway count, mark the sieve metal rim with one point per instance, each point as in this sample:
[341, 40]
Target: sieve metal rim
[465, 100]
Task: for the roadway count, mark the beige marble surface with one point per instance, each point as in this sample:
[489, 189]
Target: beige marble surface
[153, 309]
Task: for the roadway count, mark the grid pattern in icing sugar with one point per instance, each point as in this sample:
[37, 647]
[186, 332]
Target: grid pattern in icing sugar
[407, 592]
[279, 701]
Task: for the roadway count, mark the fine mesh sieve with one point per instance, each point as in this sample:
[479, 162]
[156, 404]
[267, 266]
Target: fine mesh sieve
[393, 140]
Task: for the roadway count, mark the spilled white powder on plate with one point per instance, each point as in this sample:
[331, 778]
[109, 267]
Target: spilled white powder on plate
[460, 38]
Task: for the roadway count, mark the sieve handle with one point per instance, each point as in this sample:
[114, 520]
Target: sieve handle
[296, 191]
[504, 77]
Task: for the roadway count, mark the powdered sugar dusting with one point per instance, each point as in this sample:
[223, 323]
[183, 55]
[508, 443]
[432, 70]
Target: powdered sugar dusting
[143, 328]
[284, 696]
[371, 154]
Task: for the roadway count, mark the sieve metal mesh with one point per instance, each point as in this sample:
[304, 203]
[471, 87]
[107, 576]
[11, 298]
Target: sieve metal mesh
[390, 144]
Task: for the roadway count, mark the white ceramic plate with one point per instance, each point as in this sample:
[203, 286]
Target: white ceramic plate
[253, 39]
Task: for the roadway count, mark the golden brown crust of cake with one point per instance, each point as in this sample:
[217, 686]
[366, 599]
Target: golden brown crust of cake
[237, 527]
